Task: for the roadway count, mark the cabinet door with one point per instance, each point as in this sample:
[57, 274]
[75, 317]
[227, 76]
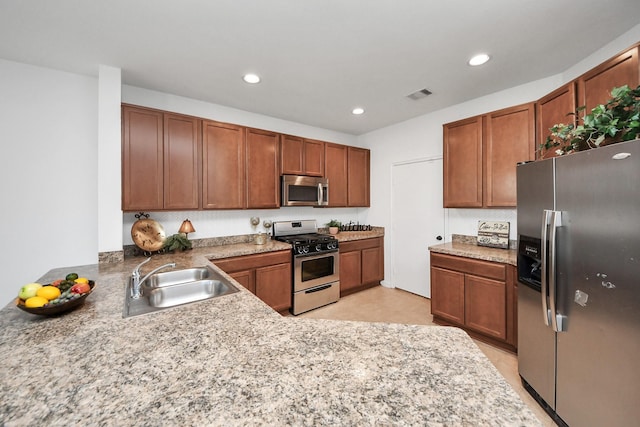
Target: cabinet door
[181, 162]
[553, 109]
[273, 286]
[512, 305]
[223, 156]
[350, 270]
[509, 139]
[372, 265]
[292, 155]
[246, 278]
[595, 86]
[142, 159]
[313, 157]
[262, 170]
[336, 173]
[447, 295]
[357, 177]
[462, 153]
[485, 306]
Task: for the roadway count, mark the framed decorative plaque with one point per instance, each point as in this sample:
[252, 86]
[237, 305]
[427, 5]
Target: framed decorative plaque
[494, 234]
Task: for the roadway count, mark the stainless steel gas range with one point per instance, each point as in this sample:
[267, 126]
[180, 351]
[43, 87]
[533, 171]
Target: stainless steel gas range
[316, 264]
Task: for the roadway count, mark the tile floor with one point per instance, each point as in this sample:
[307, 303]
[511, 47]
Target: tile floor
[382, 304]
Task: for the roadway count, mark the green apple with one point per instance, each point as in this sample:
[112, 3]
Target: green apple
[29, 290]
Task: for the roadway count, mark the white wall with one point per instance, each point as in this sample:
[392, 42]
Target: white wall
[236, 222]
[163, 101]
[109, 159]
[49, 173]
[422, 138]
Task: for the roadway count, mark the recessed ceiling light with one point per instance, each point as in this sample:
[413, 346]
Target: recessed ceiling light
[357, 111]
[251, 78]
[479, 59]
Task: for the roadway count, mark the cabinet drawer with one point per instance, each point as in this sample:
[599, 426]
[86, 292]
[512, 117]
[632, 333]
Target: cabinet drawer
[245, 262]
[487, 269]
[357, 245]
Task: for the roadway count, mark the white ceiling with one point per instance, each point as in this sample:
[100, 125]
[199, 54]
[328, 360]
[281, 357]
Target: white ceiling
[318, 58]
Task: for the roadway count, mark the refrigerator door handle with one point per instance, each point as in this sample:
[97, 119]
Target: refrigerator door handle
[546, 219]
[556, 221]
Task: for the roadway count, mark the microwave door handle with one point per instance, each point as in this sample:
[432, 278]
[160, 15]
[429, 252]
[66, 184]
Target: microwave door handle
[320, 194]
[546, 217]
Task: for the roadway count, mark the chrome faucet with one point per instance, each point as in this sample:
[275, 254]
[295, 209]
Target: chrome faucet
[136, 282]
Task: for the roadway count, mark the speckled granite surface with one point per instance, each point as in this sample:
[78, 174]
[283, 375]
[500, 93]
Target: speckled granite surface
[345, 236]
[234, 361]
[465, 246]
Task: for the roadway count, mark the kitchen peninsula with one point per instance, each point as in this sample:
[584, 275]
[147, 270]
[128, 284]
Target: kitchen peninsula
[234, 361]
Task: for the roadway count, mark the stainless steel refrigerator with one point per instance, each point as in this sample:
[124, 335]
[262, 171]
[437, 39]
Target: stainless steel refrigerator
[579, 285]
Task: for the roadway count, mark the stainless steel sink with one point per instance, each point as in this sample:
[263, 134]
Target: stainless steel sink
[175, 277]
[184, 293]
[169, 289]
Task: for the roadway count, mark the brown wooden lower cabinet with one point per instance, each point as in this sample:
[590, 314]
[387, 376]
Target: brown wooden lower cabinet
[477, 296]
[268, 276]
[361, 264]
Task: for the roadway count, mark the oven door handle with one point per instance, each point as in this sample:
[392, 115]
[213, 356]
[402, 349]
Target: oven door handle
[316, 254]
[318, 289]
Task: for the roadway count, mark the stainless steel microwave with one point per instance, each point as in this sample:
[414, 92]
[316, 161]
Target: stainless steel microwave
[299, 190]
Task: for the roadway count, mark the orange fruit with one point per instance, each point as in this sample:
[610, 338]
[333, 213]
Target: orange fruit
[35, 302]
[48, 292]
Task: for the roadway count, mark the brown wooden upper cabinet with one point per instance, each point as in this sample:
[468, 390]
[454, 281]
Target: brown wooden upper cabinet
[301, 156]
[175, 162]
[223, 166]
[594, 87]
[358, 164]
[347, 169]
[589, 90]
[239, 167]
[160, 159]
[509, 139]
[481, 154]
[554, 108]
[262, 171]
[181, 162]
[336, 173]
[462, 154]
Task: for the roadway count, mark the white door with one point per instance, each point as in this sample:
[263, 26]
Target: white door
[418, 222]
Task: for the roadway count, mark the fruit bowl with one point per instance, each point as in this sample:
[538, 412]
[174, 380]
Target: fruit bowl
[59, 308]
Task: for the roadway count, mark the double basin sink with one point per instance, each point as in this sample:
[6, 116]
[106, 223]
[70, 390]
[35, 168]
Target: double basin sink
[177, 287]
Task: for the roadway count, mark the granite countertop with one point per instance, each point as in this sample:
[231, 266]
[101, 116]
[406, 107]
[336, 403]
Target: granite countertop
[347, 236]
[465, 246]
[234, 361]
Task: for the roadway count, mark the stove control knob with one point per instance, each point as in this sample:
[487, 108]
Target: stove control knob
[331, 245]
[318, 247]
[303, 249]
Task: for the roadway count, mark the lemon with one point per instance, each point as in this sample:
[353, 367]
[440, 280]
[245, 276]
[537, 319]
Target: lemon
[48, 292]
[81, 280]
[35, 302]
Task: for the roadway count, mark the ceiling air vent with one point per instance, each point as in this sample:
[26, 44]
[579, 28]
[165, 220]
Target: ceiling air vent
[422, 93]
